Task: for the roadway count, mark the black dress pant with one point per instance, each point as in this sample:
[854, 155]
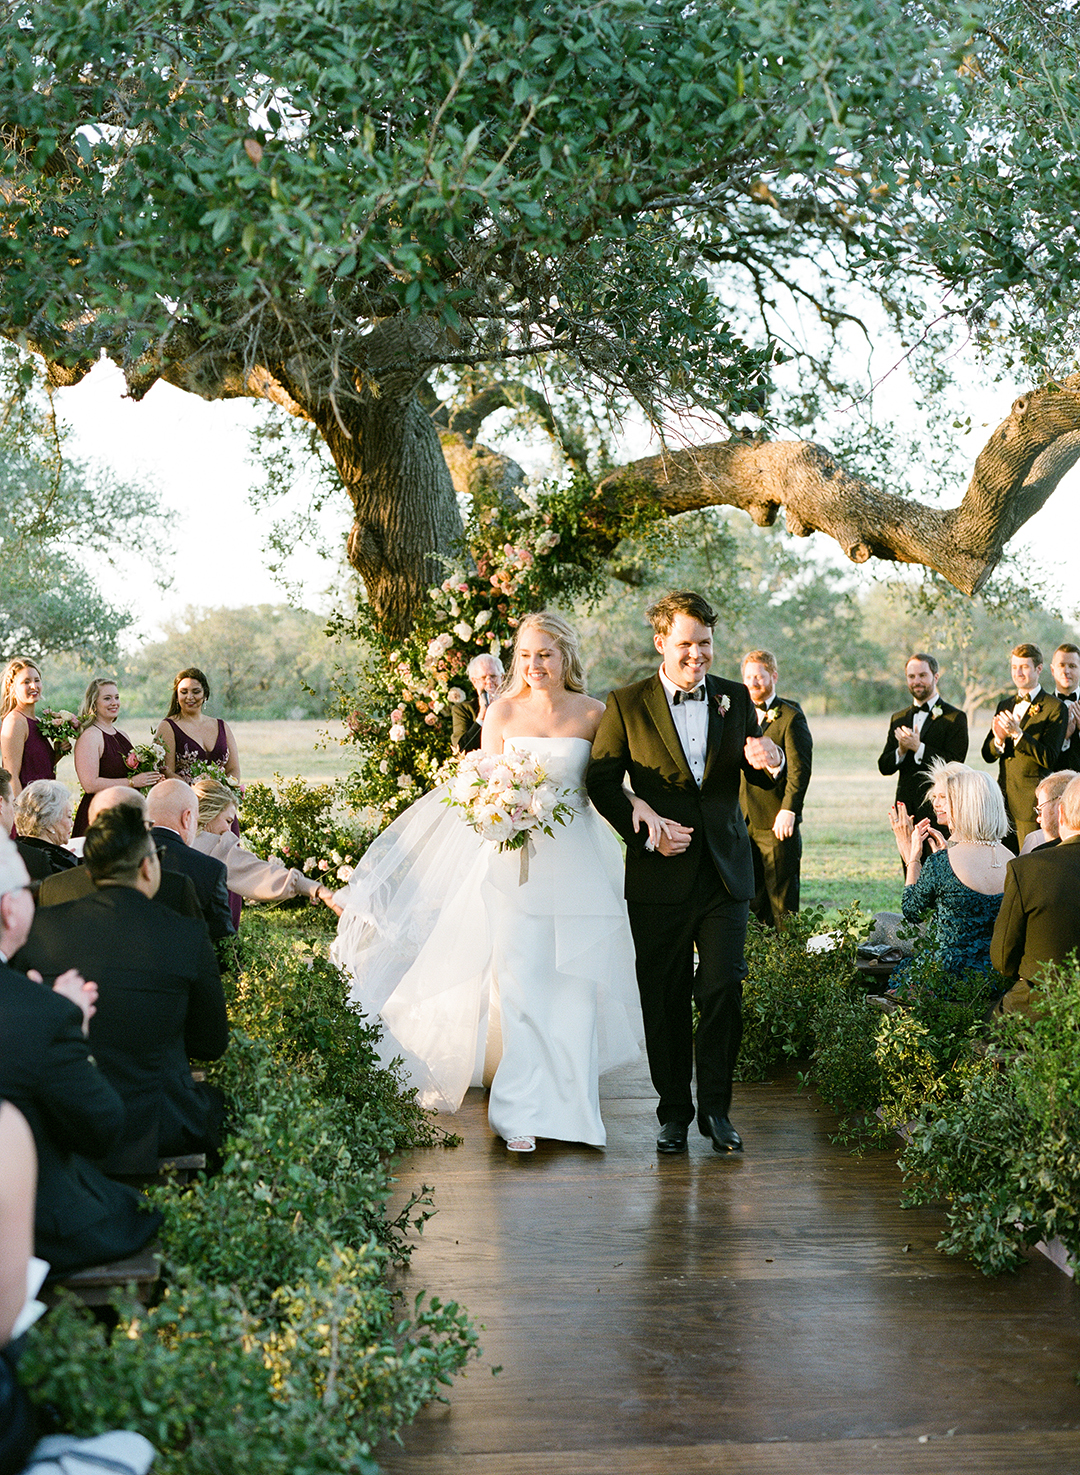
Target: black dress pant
[665, 936]
[777, 867]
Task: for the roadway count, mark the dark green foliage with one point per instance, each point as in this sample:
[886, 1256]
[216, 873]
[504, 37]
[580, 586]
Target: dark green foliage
[305, 825]
[280, 1344]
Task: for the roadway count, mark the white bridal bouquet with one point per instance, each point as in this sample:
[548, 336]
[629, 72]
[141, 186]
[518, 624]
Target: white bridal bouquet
[506, 797]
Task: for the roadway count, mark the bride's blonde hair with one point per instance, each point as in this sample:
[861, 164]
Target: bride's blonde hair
[564, 637]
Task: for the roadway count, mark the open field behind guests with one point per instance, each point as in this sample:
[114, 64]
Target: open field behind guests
[849, 853]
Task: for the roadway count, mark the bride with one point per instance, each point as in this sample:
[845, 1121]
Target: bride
[480, 975]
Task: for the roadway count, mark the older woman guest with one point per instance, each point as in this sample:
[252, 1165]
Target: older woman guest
[23, 751]
[188, 733]
[963, 880]
[43, 822]
[101, 749]
[1048, 796]
[247, 875]
[467, 719]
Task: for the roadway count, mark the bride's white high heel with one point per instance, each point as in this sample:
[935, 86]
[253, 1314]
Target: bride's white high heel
[521, 1144]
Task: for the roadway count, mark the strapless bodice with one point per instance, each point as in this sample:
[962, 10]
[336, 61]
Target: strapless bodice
[565, 759]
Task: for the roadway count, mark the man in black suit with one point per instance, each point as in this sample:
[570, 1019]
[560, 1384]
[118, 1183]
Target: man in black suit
[485, 672]
[1025, 739]
[172, 808]
[81, 1217]
[1065, 664]
[175, 891]
[160, 999]
[930, 728]
[773, 816]
[1039, 920]
[685, 739]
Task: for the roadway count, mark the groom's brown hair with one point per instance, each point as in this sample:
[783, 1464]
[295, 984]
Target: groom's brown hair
[680, 602]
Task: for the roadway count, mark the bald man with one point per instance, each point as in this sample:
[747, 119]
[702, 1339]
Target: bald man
[172, 807]
[175, 891]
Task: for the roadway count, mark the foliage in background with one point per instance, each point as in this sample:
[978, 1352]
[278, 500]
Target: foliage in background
[518, 555]
[305, 825]
[1005, 1153]
[280, 1343]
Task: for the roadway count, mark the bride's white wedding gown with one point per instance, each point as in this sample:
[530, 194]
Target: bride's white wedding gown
[446, 944]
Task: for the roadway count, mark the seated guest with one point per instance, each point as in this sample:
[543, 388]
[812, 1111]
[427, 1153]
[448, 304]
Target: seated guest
[1039, 920]
[485, 672]
[961, 882]
[175, 891]
[43, 822]
[1047, 799]
[35, 861]
[248, 876]
[173, 811]
[160, 999]
[18, 1181]
[81, 1218]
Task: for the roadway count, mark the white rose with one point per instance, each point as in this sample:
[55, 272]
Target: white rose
[455, 695]
[344, 873]
[397, 734]
[463, 631]
[481, 620]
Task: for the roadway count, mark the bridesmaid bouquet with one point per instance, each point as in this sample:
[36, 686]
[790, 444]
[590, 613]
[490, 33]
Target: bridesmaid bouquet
[190, 768]
[146, 758]
[58, 728]
[506, 797]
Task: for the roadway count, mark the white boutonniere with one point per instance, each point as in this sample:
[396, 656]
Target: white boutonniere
[1034, 709]
[772, 714]
[723, 705]
[935, 712]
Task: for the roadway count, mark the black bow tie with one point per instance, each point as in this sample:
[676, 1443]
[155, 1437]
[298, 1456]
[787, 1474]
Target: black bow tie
[925, 707]
[1022, 696]
[697, 695]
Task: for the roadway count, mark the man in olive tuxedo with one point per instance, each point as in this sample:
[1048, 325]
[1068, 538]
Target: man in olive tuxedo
[929, 728]
[774, 816]
[684, 740]
[1025, 739]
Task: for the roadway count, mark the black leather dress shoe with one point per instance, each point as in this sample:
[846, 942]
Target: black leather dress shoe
[672, 1137]
[722, 1134]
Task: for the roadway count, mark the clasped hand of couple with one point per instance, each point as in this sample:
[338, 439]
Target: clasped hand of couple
[668, 837]
[912, 836]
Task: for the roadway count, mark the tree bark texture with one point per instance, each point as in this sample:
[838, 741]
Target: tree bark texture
[1016, 471]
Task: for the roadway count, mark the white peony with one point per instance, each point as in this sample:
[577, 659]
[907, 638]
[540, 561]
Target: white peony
[481, 620]
[463, 631]
[344, 873]
[455, 695]
[397, 733]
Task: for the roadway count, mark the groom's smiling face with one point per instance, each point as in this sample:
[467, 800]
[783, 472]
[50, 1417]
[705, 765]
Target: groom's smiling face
[687, 650]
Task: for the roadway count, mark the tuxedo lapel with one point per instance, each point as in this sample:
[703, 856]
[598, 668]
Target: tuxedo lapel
[656, 704]
[715, 732]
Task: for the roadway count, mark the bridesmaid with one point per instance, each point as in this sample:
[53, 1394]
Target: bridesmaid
[23, 751]
[187, 733]
[101, 749]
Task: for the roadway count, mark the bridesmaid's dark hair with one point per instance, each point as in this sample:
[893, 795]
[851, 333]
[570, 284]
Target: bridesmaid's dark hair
[189, 673]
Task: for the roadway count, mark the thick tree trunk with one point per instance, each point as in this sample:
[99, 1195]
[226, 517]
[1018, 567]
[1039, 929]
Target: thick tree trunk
[405, 509]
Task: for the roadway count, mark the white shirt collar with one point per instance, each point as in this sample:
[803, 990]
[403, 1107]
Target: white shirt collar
[669, 686]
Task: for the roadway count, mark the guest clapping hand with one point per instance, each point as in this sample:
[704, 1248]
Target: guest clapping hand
[102, 749]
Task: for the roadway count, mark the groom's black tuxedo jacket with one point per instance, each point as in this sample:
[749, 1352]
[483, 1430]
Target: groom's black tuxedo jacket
[943, 737]
[637, 739]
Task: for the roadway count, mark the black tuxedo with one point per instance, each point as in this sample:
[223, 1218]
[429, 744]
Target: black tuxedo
[777, 862]
[466, 732]
[1070, 752]
[81, 1218]
[175, 891]
[944, 737]
[1023, 765]
[206, 874]
[1039, 920]
[160, 1002]
[699, 898]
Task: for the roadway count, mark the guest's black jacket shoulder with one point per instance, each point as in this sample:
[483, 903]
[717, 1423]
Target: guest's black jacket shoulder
[206, 874]
[176, 891]
[81, 1218]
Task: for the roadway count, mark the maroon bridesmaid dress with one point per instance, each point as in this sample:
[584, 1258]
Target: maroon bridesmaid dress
[38, 759]
[187, 747]
[115, 747]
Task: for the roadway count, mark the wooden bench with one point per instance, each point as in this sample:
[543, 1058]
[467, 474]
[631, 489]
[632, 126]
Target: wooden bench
[93, 1286]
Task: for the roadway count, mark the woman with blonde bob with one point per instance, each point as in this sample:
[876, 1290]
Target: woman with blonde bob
[246, 875]
[962, 882]
[488, 970]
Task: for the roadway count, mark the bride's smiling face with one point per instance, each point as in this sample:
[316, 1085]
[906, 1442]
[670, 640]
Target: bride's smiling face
[539, 659]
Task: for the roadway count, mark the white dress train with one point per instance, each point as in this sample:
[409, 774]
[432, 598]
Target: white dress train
[447, 945]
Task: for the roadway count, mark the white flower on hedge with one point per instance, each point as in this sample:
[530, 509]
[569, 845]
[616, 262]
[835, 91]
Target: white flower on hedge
[495, 645]
[335, 856]
[384, 766]
[344, 873]
[311, 863]
[823, 942]
[463, 630]
[481, 620]
[455, 695]
[397, 733]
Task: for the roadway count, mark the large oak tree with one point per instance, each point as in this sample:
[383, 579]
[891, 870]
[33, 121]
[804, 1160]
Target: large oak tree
[324, 202]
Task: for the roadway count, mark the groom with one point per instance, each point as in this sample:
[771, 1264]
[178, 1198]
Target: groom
[684, 739]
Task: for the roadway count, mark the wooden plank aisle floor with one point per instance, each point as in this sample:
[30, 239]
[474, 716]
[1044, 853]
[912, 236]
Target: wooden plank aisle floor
[770, 1312]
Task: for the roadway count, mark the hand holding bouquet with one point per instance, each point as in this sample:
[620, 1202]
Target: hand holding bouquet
[190, 768]
[146, 758]
[506, 797]
[58, 728]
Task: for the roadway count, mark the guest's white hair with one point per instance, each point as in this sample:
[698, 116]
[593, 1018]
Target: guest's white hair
[974, 803]
[40, 805]
[472, 670]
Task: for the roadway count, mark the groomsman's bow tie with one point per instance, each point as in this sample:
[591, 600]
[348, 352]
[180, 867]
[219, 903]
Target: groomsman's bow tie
[924, 707]
[697, 695]
[1023, 696]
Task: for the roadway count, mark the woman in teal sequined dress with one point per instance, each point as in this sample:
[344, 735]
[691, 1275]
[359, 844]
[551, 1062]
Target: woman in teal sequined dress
[961, 884]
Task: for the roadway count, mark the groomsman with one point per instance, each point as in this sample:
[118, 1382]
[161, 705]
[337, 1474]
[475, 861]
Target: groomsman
[1065, 664]
[773, 816]
[1025, 739]
[930, 728]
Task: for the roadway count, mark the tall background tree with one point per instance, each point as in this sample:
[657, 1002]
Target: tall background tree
[325, 204]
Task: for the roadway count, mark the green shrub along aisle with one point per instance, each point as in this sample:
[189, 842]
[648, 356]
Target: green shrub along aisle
[280, 1343]
[991, 1112]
